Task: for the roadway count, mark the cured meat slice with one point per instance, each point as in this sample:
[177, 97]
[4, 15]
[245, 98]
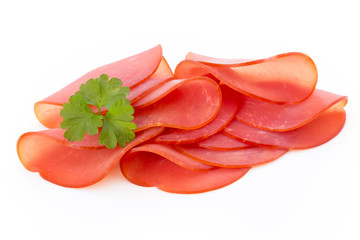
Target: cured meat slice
[221, 142]
[171, 154]
[161, 76]
[246, 157]
[285, 117]
[214, 61]
[72, 164]
[320, 130]
[189, 104]
[152, 170]
[284, 78]
[132, 71]
[229, 106]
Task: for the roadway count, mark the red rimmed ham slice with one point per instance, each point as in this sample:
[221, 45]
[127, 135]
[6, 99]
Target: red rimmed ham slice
[168, 152]
[151, 170]
[187, 104]
[274, 117]
[229, 106]
[132, 71]
[221, 142]
[246, 157]
[162, 75]
[72, 164]
[320, 130]
[284, 78]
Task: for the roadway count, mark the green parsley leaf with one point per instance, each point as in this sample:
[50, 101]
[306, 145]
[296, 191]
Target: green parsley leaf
[78, 119]
[117, 127]
[116, 124]
[101, 92]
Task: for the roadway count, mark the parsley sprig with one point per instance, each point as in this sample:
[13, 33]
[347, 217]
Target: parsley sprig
[78, 117]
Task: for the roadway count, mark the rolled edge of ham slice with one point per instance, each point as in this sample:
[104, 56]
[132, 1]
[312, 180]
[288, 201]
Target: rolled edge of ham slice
[152, 170]
[70, 164]
[132, 71]
[284, 78]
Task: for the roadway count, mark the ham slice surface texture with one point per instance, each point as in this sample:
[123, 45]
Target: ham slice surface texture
[199, 129]
[229, 106]
[317, 132]
[284, 78]
[246, 157]
[178, 108]
[286, 117]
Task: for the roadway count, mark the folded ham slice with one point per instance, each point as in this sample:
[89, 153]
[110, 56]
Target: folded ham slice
[133, 71]
[72, 164]
[246, 157]
[222, 142]
[284, 78]
[286, 117]
[320, 130]
[152, 170]
[185, 104]
[229, 106]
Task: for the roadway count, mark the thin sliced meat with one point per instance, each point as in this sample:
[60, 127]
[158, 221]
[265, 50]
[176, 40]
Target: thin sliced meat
[320, 130]
[189, 104]
[132, 71]
[72, 164]
[229, 106]
[284, 78]
[168, 152]
[214, 61]
[162, 75]
[246, 157]
[221, 142]
[285, 117]
[152, 170]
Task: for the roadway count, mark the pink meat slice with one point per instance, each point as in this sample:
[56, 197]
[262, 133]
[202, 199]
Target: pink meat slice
[189, 104]
[229, 106]
[72, 164]
[284, 78]
[320, 130]
[132, 71]
[168, 152]
[246, 157]
[162, 75]
[152, 170]
[285, 117]
[221, 142]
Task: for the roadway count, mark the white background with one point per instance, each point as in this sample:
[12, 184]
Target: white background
[310, 194]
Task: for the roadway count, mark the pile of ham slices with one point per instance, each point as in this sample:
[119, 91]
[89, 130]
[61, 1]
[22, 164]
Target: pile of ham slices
[199, 129]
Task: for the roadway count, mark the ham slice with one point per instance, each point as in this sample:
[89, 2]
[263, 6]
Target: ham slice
[221, 142]
[320, 130]
[285, 117]
[162, 75]
[246, 157]
[72, 164]
[133, 71]
[284, 78]
[229, 106]
[148, 169]
[168, 152]
[177, 107]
